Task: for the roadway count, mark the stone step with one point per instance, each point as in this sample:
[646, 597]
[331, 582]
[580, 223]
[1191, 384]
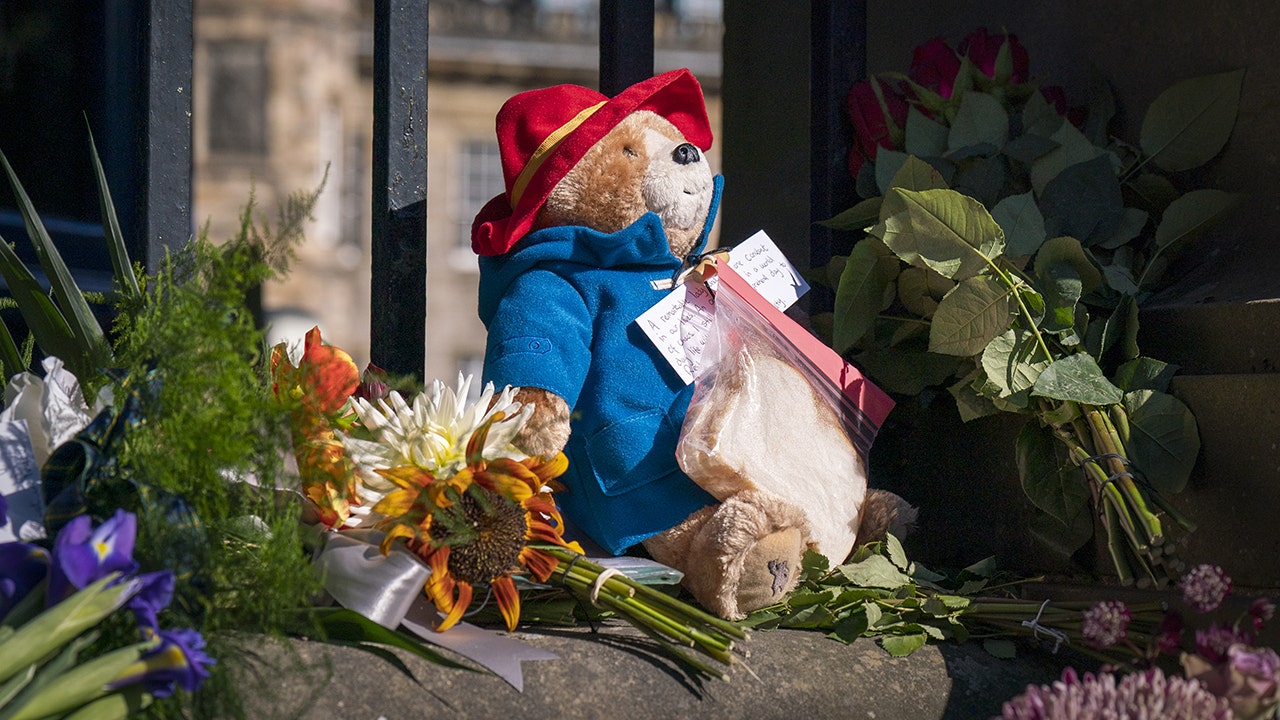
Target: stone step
[617, 673]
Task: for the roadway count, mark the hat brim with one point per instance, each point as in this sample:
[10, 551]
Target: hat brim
[674, 95]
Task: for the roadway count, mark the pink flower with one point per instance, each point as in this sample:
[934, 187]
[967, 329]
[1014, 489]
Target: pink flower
[1148, 694]
[1056, 97]
[1213, 643]
[934, 66]
[1248, 678]
[1261, 610]
[1204, 587]
[983, 49]
[876, 119]
[1169, 635]
[1105, 624]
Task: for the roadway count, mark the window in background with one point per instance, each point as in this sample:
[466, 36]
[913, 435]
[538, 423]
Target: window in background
[238, 97]
[479, 180]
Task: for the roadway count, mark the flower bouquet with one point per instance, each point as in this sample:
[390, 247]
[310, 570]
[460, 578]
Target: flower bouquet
[442, 477]
[1008, 242]
[52, 605]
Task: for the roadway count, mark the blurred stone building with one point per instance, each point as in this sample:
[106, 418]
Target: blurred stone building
[283, 91]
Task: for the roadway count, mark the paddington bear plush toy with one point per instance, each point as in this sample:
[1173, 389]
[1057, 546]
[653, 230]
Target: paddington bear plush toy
[605, 200]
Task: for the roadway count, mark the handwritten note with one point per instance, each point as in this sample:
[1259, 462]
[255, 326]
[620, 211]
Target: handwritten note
[762, 264]
[681, 322]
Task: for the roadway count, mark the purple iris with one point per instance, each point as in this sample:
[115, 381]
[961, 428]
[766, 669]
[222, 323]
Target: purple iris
[155, 592]
[179, 660]
[83, 554]
[22, 567]
[4, 511]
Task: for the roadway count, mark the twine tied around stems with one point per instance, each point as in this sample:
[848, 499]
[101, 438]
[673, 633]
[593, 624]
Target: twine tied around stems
[1058, 636]
[599, 582]
[1111, 456]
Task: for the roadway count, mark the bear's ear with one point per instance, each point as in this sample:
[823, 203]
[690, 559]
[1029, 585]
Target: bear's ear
[603, 191]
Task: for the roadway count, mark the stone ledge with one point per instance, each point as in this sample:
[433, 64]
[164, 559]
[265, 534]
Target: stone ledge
[617, 674]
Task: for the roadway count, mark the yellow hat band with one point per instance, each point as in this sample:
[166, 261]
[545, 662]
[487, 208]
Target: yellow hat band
[548, 144]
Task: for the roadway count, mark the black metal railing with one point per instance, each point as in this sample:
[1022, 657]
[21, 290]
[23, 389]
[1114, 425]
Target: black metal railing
[159, 109]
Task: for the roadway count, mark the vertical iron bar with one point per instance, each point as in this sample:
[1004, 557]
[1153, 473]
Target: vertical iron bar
[147, 138]
[397, 333]
[626, 43]
[838, 32]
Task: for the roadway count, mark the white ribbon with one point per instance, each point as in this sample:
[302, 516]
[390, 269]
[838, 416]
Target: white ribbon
[387, 589]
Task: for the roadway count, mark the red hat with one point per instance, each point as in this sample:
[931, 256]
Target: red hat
[543, 133]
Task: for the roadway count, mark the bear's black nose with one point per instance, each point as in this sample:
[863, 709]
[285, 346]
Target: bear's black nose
[685, 154]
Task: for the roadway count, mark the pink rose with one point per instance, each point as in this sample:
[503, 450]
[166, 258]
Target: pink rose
[983, 49]
[934, 65]
[1248, 677]
[875, 120]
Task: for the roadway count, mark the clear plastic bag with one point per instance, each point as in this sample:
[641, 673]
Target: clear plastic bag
[775, 410]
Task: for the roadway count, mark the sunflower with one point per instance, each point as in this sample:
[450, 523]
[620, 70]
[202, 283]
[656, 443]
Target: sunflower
[471, 519]
[493, 538]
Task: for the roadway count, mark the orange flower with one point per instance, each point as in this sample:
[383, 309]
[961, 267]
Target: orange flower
[315, 391]
[475, 528]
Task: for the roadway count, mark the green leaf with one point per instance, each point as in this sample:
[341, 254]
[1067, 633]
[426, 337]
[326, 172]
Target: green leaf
[1145, 373]
[903, 645]
[888, 162]
[875, 571]
[1028, 148]
[943, 230]
[1040, 118]
[125, 703]
[1120, 279]
[1079, 379]
[1163, 438]
[1132, 221]
[852, 627]
[1062, 539]
[123, 268]
[1012, 363]
[1122, 327]
[1068, 250]
[1156, 191]
[969, 403]
[860, 294]
[813, 616]
[1190, 122]
[70, 300]
[980, 119]
[916, 174]
[905, 371]
[79, 685]
[970, 316]
[1073, 147]
[1062, 290]
[1049, 479]
[859, 217]
[813, 565]
[1190, 214]
[58, 625]
[10, 359]
[1084, 201]
[920, 289]
[348, 626]
[1023, 225]
[1000, 647]
[925, 137]
[894, 551]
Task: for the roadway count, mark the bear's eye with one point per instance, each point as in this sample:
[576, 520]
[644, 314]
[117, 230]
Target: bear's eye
[629, 151]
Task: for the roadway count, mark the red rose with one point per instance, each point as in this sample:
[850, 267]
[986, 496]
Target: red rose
[1056, 98]
[983, 49]
[934, 65]
[875, 119]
